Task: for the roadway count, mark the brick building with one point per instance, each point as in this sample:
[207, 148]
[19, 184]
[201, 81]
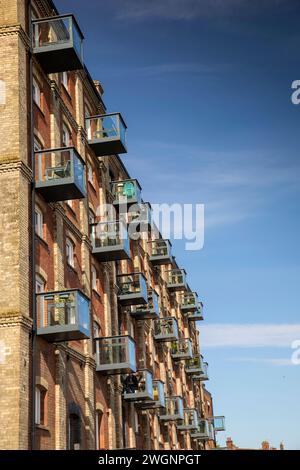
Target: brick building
[98, 341]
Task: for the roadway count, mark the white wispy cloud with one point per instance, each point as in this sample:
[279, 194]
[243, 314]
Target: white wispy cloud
[186, 9]
[249, 335]
[276, 362]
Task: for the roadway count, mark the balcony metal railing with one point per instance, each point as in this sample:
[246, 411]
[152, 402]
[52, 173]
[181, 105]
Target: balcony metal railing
[202, 376]
[189, 302]
[190, 420]
[176, 279]
[115, 355]
[158, 396]
[196, 315]
[182, 349]
[166, 329]
[63, 315]
[194, 365]
[106, 134]
[132, 289]
[173, 409]
[160, 252]
[203, 431]
[60, 174]
[57, 43]
[218, 423]
[139, 218]
[110, 241]
[126, 192]
[148, 311]
[138, 386]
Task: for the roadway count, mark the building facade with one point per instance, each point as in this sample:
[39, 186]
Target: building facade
[98, 341]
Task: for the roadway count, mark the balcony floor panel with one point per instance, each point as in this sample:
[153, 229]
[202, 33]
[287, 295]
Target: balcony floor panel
[108, 147]
[60, 58]
[60, 192]
[112, 253]
[59, 333]
[115, 369]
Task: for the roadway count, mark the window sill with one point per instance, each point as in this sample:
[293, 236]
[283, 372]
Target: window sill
[42, 241]
[72, 268]
[96, 293]
[39, 109]
[42, 427]
[66, 91]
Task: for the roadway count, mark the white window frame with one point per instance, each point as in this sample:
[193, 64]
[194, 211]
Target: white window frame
[94, 278]
[66, 136]
[90, 174]
[37, 93]
[37, 405]
[70, 252]
[65, 80]
[39, 222]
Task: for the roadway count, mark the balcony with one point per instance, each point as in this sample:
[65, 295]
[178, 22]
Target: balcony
[173, 409]
[132, 289]
[218, 423]
[189, 302]
[158, 396]
[115, 355]
[190, 420]
[148, 311]
[194, 365]
[160, 252]
[57, 43]
[196, 315]
[110, 241]
[60, 174]
[138, 386]
[182, 349]
[166, 329]
[63, 316]
[203, 431]
[139, 219]
[176, 280]
[106, 134]
[126, 192]
[203, 375]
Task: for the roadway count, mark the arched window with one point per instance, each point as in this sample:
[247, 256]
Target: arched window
[39, 222]
[74, 427]
[100, 434]
[70, 249]
[40, 405]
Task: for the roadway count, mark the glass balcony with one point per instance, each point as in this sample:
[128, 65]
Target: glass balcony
[173, 409]
[190, 420]
[57, 43]
[126, 192]
[196, 315]
[166, 329]
[203, 375]
[59, 174]
[138, 386]
[182, 349]
[160, 252]
[140, 218]
[63, 316]
[148, 311]
[110, 241]
[189, 302]
[106, 134]
[218, 423]
[176, 279]
[194, 365]
[132, 289]
[158, 396]
[203, 431]
[115, 355]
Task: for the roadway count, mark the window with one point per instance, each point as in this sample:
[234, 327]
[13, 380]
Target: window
[70, 252]
[37, 146]
[92, 217]
[37, 94]
[74, 431]
[65, 80]
[39, 284]
[94, 279]
[40, 405]
[96, 329]
[70, 203]
[66, 136]
[100, 434]
[90, 174]
[39, 222]
[88, 123]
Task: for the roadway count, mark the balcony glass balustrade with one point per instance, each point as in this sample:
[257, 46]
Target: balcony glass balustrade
[166, 329]
[218, 423]
[182, 349]
[203, 375]
[59, 174]
[176, 280]
[63, 315]
[138, 386]
[132, 289]
[190, 420]
[106, 134]
[158, 396]
[149, 310]
[203, 431]
[115, 355]
[110, 241]
[160, 252]
[139, 218]
[194, 365]
[57, 43]
[196, 315]
[126, 192]
[173, 409]
[189, 302]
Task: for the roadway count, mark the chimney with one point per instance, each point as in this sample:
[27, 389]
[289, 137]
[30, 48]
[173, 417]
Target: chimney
[98, 87]
[281, 447]
[265, 445]
[229, 443]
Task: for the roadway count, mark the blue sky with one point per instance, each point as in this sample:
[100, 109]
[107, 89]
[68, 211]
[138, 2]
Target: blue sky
[205, 87]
